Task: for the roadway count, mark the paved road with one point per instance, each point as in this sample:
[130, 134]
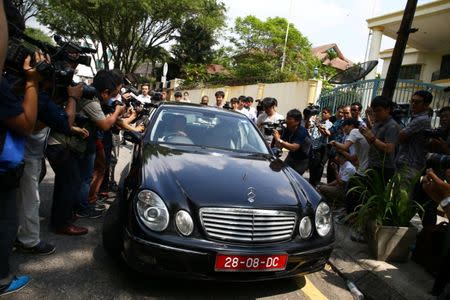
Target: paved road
[80, 269]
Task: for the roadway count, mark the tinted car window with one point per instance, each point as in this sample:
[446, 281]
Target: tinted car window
[201, 127]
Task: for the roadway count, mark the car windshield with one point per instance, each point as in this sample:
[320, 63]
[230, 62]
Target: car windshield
[206, 128]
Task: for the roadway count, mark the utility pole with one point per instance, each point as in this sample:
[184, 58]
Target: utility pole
[399, 50]
[283, 60]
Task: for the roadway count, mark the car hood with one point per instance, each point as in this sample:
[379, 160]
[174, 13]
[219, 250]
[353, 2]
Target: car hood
[220, 178]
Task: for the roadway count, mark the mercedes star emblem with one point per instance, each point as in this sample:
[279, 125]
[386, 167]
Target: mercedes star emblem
[251, 194]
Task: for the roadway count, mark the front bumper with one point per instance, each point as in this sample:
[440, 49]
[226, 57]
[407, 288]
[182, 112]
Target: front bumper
[163, 260]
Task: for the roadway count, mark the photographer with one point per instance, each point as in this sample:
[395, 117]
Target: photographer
[382, 138]
[269, 115]
[335, 191]
[439, 191]
[410, 159]
[296, 139]
[59, 120]
[17, 119]
[75, 156]
[319, 132]
[439, 143]
[337, 134]
[108, 85]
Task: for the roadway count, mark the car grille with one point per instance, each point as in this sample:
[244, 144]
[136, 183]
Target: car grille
[248, 225]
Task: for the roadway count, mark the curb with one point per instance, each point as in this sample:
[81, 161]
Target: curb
[376, 279]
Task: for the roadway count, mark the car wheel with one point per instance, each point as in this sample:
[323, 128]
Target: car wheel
[112, 234]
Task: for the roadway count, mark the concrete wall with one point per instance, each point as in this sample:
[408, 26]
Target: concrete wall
[289, 94]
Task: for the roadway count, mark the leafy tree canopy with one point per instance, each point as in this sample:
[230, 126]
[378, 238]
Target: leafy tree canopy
[128, 29]
[39, 35]
[259, 49]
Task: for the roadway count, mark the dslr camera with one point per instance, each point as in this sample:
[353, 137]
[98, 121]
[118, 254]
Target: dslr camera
[269, 127]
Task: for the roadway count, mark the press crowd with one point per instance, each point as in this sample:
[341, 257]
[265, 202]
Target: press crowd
[78, 133]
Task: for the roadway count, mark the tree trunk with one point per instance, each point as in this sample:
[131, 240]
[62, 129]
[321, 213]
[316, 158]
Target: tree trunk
[105, 55]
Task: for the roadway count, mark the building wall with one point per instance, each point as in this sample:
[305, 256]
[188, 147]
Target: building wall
[289, 94]
[430, 62]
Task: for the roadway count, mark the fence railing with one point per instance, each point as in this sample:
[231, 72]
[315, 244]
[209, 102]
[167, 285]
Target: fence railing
[364, 91]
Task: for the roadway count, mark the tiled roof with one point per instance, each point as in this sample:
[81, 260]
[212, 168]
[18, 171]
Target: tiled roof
[340, 62]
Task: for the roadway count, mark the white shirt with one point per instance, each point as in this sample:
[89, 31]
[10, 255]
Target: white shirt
[243, 111]
[346, 171]
[361, 149]
[262, 118]
[252, 114]
[144, 99]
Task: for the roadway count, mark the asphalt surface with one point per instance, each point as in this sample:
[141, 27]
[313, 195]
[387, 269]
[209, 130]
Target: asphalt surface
[81, 269]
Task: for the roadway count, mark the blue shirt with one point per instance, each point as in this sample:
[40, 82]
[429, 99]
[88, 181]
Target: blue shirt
[10, 104]
[12, 145]
[301, 137]
[52, 115]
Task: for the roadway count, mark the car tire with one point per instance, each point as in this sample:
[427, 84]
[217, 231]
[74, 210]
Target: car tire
[112, 233]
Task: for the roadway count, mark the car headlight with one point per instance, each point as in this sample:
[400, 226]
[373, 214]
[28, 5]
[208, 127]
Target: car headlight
[152, 211]
[184, 222]
[305, 228]
[323, 219]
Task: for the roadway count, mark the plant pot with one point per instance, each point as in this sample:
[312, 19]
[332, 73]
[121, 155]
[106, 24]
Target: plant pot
[390, 243]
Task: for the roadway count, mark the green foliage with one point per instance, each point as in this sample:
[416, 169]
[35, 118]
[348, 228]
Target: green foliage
[195, 74]
[128, 29]
[39, 35]
[385, 204]
[332, 54]
[194, 45]
[259, 47]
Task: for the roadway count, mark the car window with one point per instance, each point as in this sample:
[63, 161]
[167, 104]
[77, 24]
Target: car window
[203, 127]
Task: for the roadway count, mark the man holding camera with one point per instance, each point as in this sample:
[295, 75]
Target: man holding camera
[269, 116]
[296, 139]
[76, 156]
[17, 120]
[319, 132]
[439, 145]
[410, 159]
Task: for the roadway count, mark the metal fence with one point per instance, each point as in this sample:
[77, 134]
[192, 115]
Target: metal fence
[364, 91]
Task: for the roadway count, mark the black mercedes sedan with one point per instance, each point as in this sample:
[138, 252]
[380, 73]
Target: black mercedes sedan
[204, 197]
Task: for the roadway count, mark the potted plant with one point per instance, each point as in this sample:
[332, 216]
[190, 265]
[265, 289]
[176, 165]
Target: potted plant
[385, 213]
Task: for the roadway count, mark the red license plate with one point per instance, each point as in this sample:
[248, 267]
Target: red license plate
[246, 263]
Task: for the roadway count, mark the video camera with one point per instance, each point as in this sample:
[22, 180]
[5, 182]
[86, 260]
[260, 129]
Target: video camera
[438, 161]
[269, 127]
[64, 58]
[400, 113]
[311, 110]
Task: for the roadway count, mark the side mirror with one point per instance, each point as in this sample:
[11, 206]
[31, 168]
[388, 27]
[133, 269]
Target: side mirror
[277, 152]
[132, 136]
